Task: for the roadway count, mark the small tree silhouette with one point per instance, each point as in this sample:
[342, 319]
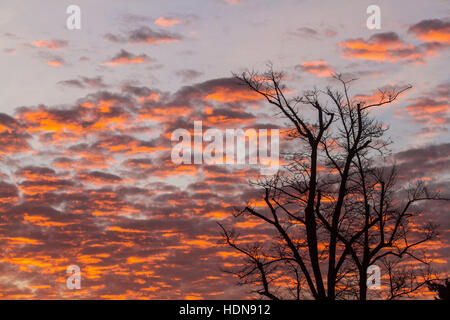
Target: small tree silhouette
[336, 208]
[443, 290]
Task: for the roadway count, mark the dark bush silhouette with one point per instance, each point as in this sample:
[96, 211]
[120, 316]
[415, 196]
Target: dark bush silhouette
[443, 290]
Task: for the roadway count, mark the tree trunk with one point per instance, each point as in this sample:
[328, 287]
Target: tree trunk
[363, 284]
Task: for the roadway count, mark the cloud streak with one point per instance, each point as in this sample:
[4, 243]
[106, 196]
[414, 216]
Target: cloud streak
[125, 57]
[145, 35]
[388, 47]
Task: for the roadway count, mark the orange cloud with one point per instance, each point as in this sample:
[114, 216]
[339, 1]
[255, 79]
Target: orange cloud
[43, 120]
[50, 44]
[319, 68]
[226, 94]
[55, 63]
[433, 30]
[119, 229]
[427, 110]
[386, 47]
[125, 57]
[431, 109]
[97, 177]
[166, 22]
[21, 240]
[43, 221]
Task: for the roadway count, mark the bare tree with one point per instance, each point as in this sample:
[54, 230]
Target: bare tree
[334, 210]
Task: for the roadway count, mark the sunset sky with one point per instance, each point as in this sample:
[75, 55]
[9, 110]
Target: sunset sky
[86, 117]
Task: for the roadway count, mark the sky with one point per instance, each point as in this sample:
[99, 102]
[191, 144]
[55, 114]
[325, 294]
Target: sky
[86, 116]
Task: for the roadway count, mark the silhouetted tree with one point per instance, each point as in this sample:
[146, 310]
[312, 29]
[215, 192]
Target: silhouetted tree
[335, 208]
[443, 290]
